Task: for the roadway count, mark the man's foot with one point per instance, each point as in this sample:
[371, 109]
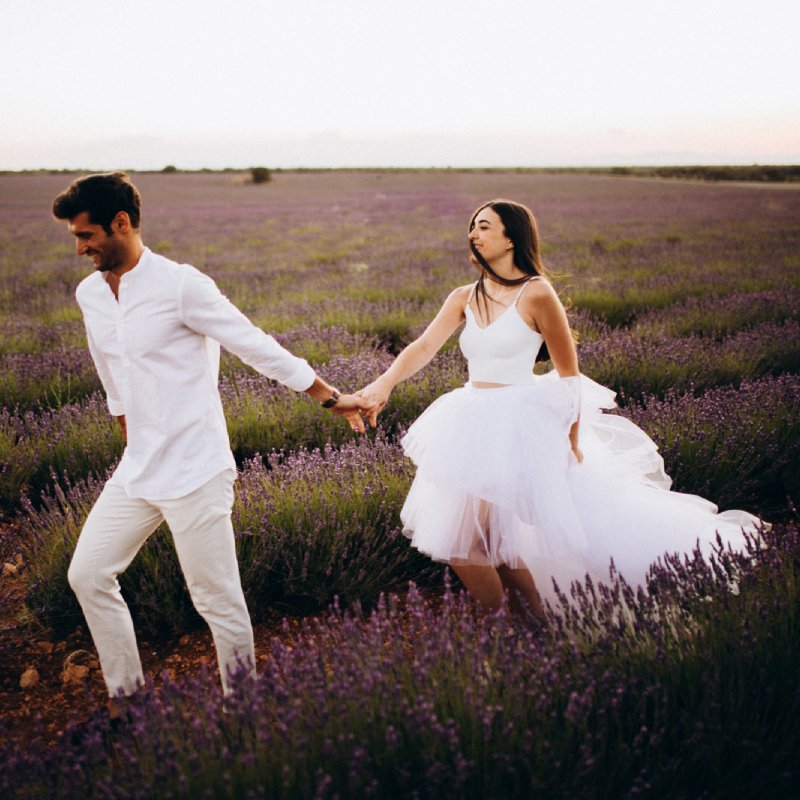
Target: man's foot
[119, 711]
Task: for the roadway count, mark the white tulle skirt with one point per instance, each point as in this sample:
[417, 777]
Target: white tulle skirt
[497, 483]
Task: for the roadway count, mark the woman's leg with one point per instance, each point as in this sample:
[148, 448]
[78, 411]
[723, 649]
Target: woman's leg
[483, 583]
[523, 596]
[487, 584]
[480, 579]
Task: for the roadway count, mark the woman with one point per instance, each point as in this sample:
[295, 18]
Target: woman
[521, 480]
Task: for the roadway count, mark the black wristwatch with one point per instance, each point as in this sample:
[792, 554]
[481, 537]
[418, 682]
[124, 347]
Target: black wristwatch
[332, 400]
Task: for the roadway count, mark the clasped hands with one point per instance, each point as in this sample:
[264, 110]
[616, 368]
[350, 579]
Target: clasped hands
[363, 405]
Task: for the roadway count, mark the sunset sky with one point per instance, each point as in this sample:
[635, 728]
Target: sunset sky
[140, 85]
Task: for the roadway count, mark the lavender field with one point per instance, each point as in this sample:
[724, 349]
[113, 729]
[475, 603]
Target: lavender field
[686, 297]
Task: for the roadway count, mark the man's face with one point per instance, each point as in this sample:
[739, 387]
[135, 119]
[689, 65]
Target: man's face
[106, 251]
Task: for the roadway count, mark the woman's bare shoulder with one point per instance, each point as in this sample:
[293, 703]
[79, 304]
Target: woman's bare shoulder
[539, 290]
[539, 302]
[459, 295]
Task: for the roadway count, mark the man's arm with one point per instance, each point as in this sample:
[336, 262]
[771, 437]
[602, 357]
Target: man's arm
[206, 310]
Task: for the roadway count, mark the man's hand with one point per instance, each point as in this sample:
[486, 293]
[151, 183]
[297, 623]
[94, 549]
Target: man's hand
[123, 426]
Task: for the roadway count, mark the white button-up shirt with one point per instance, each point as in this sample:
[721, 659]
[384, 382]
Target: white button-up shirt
[156, 350]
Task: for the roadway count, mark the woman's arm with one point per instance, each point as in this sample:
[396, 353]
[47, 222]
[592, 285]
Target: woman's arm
[542, 308]
[414, 357]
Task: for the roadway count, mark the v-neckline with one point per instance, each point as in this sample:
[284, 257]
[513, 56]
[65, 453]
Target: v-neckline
[496, 319]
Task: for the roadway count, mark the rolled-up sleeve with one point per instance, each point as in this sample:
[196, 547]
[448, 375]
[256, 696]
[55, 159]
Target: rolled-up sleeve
[206, 310]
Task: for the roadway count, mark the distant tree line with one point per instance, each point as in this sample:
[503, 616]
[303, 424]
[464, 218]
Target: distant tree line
[775, 173]
[766, 173]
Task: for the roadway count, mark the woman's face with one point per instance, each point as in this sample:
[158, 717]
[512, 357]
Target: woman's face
[488, 235]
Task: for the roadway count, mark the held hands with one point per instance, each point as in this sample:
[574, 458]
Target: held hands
[377, 395]
[351, 407]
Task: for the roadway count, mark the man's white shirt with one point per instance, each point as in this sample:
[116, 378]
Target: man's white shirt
[156, 350]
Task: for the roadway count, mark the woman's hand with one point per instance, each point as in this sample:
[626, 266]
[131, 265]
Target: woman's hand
[376, 394]
[351, 407]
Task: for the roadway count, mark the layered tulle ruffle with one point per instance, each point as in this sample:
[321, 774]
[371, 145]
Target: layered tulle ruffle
[497, 483]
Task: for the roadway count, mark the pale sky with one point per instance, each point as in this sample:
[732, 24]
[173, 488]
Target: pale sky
[146, 83]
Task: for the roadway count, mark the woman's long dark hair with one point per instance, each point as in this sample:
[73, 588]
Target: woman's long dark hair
[521, 228]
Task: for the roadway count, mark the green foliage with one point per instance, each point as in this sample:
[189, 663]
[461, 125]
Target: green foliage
[260, 175]
[314, 527]
[635, 364]
[732, 445]
[691, 692]
[75, 440]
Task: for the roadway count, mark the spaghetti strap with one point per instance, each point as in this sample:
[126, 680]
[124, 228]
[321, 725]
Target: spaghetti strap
[524, 285]
[472, 292]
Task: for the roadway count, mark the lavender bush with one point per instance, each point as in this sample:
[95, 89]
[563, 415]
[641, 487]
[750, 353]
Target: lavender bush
[686, 300]
[315, 526]
[737, 446]
[326, 524]
[691, 694]
[719, 316]
[81, 439]
[637, 365]
[321, 523]
[78, 439]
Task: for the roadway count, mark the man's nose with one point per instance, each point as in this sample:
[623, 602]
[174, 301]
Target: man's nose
[80, 246]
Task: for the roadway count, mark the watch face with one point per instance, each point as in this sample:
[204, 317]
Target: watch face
[331, 401]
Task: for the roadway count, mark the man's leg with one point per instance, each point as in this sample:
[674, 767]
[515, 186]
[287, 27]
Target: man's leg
[203, 533]
[113, 533]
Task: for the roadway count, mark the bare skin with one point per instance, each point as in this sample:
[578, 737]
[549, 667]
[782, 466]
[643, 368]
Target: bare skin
[540, 307]
[491, 585]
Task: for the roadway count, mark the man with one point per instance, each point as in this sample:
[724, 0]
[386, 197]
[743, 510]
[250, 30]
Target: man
[154, 329]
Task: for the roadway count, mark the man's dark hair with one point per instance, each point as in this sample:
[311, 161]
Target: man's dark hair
[103, 196]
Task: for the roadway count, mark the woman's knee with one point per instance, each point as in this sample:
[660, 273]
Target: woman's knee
[483, 583]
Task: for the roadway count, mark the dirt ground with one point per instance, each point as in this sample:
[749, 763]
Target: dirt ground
[46, 681]
[58, 679]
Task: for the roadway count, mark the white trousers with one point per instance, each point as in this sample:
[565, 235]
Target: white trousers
[114, 532]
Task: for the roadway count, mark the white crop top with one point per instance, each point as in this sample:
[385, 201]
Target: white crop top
[502, 352]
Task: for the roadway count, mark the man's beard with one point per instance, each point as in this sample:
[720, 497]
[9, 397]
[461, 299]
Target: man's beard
[109, 259]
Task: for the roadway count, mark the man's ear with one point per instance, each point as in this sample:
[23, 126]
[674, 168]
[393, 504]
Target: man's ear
[121, 222]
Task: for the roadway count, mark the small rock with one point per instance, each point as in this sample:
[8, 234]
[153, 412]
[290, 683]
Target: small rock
[9, 569]
[29, 678]
[184, 640]
[74, 673]
[44, 647]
